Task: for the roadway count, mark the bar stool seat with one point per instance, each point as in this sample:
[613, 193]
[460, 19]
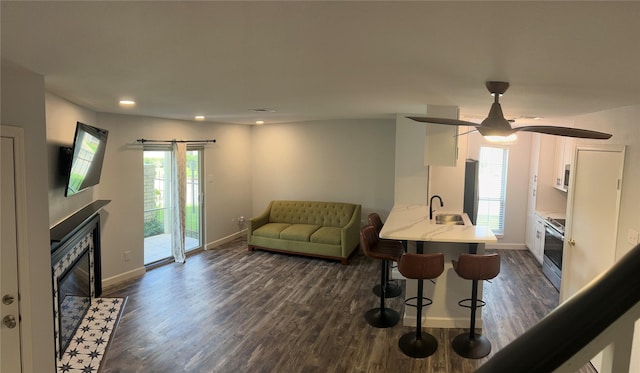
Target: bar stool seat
[380, 317]
[476, 268]
[421, 267]
[392, 289]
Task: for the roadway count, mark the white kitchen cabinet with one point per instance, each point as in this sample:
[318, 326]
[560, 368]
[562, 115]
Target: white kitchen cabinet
[530, 232]
[538, 248]
[542, 195]
[563, 159]
[530, 229]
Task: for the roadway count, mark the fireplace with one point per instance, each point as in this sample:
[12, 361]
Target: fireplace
[75, 262]
[74, 298]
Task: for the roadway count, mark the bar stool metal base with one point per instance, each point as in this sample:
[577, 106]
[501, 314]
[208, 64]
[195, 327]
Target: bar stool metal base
[471, 348]
[418, 348]
[384, 318]
[391, 290]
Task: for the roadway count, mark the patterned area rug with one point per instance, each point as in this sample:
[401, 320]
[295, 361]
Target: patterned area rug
[90, 342]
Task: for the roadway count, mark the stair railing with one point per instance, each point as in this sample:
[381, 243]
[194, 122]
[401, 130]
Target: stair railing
[600, 317]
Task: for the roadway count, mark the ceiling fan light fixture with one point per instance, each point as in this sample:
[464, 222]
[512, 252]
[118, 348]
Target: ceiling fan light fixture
[502, 140]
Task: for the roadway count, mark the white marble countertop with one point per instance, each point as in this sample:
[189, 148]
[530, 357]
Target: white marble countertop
[411, 223]
[551, 214]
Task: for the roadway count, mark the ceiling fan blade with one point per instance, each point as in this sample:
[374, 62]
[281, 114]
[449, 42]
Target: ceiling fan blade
[466, 133]
[565, 131]
[448, 121]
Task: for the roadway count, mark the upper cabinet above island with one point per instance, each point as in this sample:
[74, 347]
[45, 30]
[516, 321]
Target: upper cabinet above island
[441, 141]
[563, 161]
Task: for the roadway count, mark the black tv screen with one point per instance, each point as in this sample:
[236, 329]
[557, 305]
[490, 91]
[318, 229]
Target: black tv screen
[87, 157]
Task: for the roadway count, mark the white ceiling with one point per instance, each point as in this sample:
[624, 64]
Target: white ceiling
[325, 60]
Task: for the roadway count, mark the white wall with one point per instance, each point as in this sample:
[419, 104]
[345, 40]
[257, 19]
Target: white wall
[623, 124]
[23, 106]
[517, 187]
[62, 116]
[226, 163]
[448, 182]
[340, 160]
[227, 177]
[411, 175]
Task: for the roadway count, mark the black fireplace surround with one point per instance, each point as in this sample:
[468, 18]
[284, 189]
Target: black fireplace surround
[75, 264]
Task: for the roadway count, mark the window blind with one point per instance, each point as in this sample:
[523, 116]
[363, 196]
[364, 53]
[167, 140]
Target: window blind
[492, 187]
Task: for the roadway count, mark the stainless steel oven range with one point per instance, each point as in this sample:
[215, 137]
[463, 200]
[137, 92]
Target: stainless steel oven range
[553, 246]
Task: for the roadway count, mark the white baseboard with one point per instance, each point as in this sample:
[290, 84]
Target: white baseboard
[134, 273]
[223, 240]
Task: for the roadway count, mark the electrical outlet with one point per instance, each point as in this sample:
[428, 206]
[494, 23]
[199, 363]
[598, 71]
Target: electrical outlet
[632, 236]
[127, 256]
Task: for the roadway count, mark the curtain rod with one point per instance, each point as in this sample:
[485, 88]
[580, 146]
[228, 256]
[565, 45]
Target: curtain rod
[142, 141]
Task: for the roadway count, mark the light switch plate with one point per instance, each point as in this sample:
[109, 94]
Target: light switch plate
[632, 236]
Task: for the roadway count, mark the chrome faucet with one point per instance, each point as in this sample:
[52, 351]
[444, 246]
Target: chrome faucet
[431, 205]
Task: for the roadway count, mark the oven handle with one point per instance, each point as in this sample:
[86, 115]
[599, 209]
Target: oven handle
[553, 232]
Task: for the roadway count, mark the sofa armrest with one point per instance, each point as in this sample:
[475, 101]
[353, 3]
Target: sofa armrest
[260, 220]
[350, 235]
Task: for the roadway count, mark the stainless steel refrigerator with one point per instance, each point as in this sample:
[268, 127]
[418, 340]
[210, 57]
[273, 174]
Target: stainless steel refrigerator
[470, 206]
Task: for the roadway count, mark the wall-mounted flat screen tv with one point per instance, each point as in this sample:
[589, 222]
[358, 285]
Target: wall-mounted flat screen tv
[87, 157]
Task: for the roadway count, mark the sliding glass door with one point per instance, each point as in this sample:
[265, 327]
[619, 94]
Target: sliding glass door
[157, 203]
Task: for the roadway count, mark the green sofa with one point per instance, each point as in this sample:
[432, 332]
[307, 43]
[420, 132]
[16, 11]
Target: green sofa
[322, 229]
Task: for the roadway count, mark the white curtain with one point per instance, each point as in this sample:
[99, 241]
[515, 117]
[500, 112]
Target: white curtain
[178, 196]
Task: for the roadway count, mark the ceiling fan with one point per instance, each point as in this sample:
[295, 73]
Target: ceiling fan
[495, 125]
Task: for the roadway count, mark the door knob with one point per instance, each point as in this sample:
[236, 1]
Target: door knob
[8, 299]
[572, 242]
[9, 321]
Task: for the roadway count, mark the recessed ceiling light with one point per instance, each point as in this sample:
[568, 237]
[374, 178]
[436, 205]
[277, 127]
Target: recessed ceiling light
[127, 103]
[264, 110]
[199, 117]
[259, 122]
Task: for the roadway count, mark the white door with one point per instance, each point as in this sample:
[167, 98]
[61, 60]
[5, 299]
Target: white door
[10, 326]
[592, 212]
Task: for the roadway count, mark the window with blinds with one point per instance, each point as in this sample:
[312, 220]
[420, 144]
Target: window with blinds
[492, 187]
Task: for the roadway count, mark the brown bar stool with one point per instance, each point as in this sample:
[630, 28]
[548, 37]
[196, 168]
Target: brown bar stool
[392, 289]
[380, 317]
[420, 267]
[476, 268]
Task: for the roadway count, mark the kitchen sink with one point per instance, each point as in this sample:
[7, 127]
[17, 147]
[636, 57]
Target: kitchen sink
[449, 219]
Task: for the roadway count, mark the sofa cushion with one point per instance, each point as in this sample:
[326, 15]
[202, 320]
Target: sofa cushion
[327, 214]
[328, 235]
[298, 232]
[271, 230]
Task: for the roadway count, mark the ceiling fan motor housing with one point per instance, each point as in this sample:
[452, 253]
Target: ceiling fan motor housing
[495, 124]
[497, 87]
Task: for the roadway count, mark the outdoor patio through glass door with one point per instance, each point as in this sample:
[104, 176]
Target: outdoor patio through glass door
[157, 203]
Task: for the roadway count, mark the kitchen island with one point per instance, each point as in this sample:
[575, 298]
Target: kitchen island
[411, 223]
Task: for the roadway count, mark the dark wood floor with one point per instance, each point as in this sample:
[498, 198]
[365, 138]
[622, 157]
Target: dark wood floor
[230, 310]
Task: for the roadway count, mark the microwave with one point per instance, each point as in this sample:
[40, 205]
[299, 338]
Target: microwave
[565, 183]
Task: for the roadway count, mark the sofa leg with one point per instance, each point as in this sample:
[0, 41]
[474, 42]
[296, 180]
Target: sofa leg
[251, 248]
[345, 261]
